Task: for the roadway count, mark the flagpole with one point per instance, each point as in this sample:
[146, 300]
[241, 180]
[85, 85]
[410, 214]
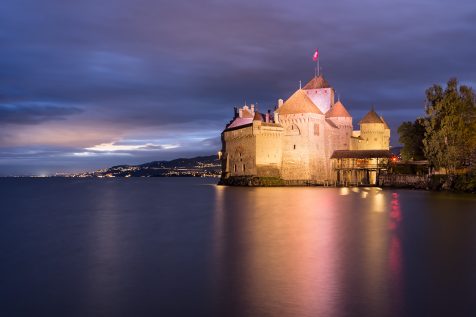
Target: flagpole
[318, 70]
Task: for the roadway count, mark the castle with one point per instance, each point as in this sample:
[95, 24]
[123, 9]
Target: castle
[301, 141]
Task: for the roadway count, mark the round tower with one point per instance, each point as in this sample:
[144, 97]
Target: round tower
[339, 115]
[374, 132]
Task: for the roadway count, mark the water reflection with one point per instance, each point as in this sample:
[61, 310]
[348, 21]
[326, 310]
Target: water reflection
[175, 247]
[105, 253]
[395, 213]
[305, 251]
[344, 191]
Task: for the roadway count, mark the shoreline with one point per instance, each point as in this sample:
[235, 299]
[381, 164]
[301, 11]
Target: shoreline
[436, 183]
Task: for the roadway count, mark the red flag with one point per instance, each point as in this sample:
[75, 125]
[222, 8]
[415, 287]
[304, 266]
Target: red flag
[315, 56]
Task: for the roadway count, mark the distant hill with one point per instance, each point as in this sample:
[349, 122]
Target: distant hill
[200, 166]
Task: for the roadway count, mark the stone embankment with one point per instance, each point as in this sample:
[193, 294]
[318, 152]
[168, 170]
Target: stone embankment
[462, 183]
[253, 181]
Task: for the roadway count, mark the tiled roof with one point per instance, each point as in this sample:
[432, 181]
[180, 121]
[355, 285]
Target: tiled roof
[385, 123]
[299, 102]
[371, 117]
[258, 116]
[338, 110]
[239, 122]
[247, 114]
[317, 82]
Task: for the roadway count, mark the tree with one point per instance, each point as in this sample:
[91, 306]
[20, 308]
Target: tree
[411, 136]
[450, 138]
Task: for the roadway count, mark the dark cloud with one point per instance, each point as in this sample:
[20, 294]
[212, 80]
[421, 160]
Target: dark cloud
[170, 71]
[212, 143]
[34, 114]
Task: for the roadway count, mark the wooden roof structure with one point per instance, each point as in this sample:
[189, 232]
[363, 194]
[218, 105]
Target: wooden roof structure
[361, 154]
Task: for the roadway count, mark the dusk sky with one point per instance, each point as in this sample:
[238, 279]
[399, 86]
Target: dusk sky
[90, 84]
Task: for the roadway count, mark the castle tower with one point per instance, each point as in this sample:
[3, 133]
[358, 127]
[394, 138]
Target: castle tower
[339, 115]
[374, 132]
[320, 92]
[303, 154]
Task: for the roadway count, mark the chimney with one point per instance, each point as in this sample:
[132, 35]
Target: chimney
[267, 116]
[252, 109]
[240, 113]
[280, 103]
[235, 113]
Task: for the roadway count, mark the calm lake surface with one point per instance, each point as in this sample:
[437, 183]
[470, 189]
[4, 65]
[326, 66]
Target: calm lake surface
[185, 247]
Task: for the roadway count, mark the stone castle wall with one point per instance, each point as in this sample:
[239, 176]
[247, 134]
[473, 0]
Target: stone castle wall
[240, 152]
[372, 136]
[344, 132]
[303, 147]
[253, 150]
[268, 140]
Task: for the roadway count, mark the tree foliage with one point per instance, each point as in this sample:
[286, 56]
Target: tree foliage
[450, 139]
[411, 136]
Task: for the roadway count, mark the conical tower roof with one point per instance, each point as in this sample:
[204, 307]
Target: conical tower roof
[385, 123]
[371, 117]
[338, 110]
[317, 82]
[299, 102]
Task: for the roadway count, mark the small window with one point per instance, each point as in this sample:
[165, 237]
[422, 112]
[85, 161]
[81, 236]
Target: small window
[244, 168]
[234, 168]
[294, 146]
[316, 129]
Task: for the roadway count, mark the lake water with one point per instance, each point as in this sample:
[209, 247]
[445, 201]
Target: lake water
[185, 247]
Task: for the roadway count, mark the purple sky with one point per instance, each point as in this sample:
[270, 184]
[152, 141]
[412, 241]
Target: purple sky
[89, 84]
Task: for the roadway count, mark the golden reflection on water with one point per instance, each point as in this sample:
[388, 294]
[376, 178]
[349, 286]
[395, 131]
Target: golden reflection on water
[300, 250]
[344, 191]
[379, 202]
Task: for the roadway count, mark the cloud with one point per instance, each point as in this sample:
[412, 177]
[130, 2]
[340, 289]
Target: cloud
[170, 72]
[34, 114]
[113, 147]
[213, 143]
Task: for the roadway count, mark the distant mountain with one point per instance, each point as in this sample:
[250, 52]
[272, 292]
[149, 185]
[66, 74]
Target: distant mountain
[200, 166]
